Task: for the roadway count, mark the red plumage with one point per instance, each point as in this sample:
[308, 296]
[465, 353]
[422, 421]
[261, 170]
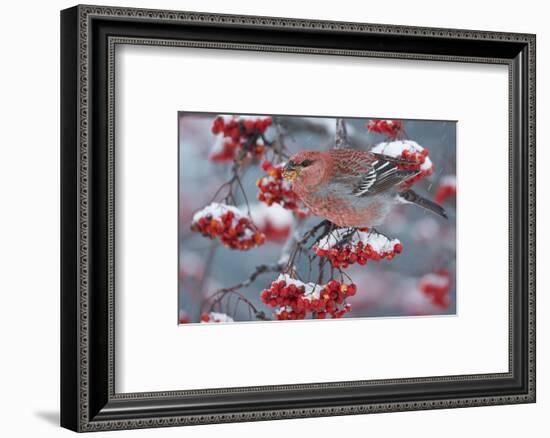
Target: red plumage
[352, 188]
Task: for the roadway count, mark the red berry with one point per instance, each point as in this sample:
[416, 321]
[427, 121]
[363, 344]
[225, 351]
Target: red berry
[239, 134]
[296, 301]
[249, 124]
[391, 128]
[436, 287]
[358, 251]
[234, 231]
[274, 190]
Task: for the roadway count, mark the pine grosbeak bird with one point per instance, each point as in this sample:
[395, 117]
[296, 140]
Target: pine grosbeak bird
[353, 188]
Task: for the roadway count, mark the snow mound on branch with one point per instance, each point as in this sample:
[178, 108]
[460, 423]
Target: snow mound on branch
[396, 148]
[311, 290]
[274, 221]
[436, 286]
[277, 216]
[183, 317]
[436, 280]
[220, 144]
[448, 180]
[412, 300]
[446, 189]
[216, 210]
[215, 317]
[227, 223]
[294, 299]
[378, 242]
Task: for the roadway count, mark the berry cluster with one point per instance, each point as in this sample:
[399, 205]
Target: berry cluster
[215, 317]
[293, 299]
[227, 223]
[274, 233]
[436, 287]
[274, 189]
[446, 189]
[416, 158]
[419, 157]
[346, 246]
[239, 133]
[274, 221]
[411, 151]
[183, 317]
[391, 128]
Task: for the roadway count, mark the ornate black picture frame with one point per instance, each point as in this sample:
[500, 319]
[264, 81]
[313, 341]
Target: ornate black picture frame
[88, 37]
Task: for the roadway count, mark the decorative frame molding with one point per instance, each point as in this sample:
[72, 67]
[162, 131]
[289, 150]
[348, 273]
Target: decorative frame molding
[89, 402]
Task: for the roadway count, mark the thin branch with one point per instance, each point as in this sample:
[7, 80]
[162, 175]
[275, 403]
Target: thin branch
[280, 151]
[220, 294]
[300, 245]
[341, 134]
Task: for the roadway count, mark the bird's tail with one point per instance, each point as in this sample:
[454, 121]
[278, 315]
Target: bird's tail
[415, 198]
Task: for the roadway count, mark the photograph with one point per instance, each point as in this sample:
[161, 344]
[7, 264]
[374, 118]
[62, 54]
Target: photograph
[287, 217]
[273, 214]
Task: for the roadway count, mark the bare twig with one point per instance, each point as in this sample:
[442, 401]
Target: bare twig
[299, 245]
[280, 151]
[341, 134]
[220, 294]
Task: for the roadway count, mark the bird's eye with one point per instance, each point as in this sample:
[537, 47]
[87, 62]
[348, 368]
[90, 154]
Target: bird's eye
[306, 163]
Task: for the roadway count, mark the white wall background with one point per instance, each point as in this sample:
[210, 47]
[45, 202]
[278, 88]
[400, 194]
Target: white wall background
[29, 218]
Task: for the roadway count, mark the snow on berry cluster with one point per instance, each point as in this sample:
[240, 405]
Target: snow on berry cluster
[225, 222]
[236, 133]
[446, 189]
[183, 317]
[215, 317]
[346, 246]
[436, 287]
[275, 222]
[411, 151]
[274, 189]
[294, 299]
[390, 128]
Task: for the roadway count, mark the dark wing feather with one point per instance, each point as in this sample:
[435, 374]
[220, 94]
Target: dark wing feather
[396, 160]
[382, 175]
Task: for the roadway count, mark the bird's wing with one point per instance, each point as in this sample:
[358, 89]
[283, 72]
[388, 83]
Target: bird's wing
[396, 160]
[368, 173]
[382, 174]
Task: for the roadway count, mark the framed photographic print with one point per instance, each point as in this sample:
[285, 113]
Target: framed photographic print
[268, 218]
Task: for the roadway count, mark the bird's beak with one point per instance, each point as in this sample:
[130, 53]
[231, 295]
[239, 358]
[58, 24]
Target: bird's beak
[291, 171]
